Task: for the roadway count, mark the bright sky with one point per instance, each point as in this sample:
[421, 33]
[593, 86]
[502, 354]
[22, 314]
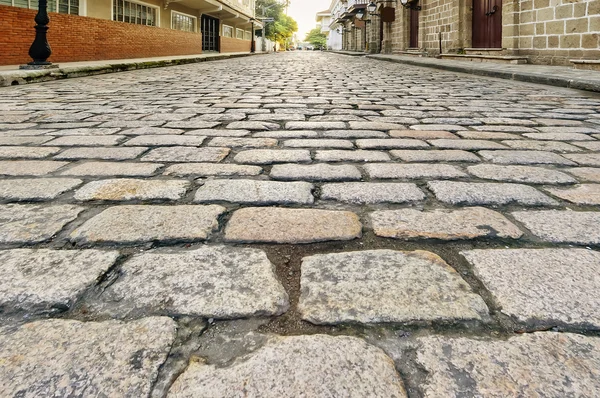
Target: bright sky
[304, 12]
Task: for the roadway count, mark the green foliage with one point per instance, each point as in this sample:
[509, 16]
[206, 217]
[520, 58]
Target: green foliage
[316, 38]
[283, 27]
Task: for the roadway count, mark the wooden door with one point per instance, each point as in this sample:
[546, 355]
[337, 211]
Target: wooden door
[414, 29]
[210, 33]
[487, 23]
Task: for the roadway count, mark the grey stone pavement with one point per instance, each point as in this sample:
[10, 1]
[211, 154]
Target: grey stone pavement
[299, 225]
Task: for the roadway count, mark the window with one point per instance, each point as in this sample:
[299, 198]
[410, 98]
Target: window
[239, 34]
[133, 12]
[247, 35]
[227, 31]
[61, 6]
[184, 22]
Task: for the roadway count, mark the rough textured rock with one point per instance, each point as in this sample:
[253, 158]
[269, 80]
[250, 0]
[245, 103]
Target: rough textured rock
[315, 172]
[113, 169]
[480, 193]
[559, 226]
[468, 223]
[357, 155]
[281, 225]
[65, 358]
[24, 152]
[36, 188]
[542, 285]
[166, 140]
[298, 366]
[130, 189]
[210, 282]
[542, 364]
[186, 154]
[378, 286]
[255, 192]
[390, 143]
[440, 155]
[466, 144]
[372, 192]
[584, 194]
[212, 169]
[268, 156]
[29, 167]
[527, 174]
[525, 157]
[588, 159]
[101, 153]
[318, 143]
[413, 171]
[33, 223]
[143, 223]
[46, 279]
[586, 173]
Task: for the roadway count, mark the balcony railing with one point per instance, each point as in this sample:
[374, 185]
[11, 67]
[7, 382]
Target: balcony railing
[352, 3]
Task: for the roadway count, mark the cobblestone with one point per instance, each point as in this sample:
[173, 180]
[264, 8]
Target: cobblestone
[36, 188]
[558, 226]
[412, 171]
[186, 154]
[212, 169]
[315, 172]
[449, 155]
[268, 156]
[488, 193]
[524, 174]
[132, 189]
[254, 192]
[525, 157]
[372, 192]
[101, 153]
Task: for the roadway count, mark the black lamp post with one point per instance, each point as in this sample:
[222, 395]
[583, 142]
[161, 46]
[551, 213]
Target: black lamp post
[252, 43]
[40, 49]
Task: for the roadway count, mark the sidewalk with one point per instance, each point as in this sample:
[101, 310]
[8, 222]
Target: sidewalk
[561, 76]
[11, 75]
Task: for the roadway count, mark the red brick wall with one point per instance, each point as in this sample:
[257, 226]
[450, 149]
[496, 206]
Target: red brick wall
[75, 38]
[230, 45]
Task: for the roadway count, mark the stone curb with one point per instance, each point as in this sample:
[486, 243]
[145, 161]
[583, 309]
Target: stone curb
[579, 84]
[13, 78]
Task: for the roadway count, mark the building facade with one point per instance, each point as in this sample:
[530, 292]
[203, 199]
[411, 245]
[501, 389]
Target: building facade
[85, 30]
[516, 31]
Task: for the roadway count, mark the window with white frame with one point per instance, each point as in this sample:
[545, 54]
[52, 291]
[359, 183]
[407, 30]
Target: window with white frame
[227, 31]
[247, 35]
[61, 6]
[239, 34]
[135, 12]
[184, 22]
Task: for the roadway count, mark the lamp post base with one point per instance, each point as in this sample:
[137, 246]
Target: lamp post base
[39, 66]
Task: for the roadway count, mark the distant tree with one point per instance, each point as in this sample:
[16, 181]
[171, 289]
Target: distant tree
[283, 28]
[316, 38]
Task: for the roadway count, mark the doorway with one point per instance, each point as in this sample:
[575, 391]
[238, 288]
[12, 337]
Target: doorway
[210, 33]
[414, 29]
[487, 23]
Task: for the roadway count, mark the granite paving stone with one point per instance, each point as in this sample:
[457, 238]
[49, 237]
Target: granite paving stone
[254, 192]
[24, 152]
[85, 140]
[524, 174]
[442, 155]
[372, 192]
[482, 193]
[132, 189]
[29, 167]
[108, 358]
[242, 142]
[318, 143]
[186, 124]
[212, 169]
[165, 140]
[562, 226]
[17, 141]
[34, 223]
[536, 364]
[253, 125]
[412, 171]
[151, 131]
[584, 194]
[219, 132]
[377, 286]
[44, 279]
[106, 153]
[268, 156]
[444, 224]
[349, 134]
[315, 125]
[551, 146]
[465, 144]
[285, 367]
[590, 145]
[283, 225]
[132, 224]
[186, 154]
[422, 134]
[588, 159]
[286, 134]
[211, 282]
[562, 129]
[23, 189]
[315, 172]
[525, 157]
[112, 169]
[439, 127]
[390, 143]
[358, 155]
[542, 286]
[558, 136]
[586, 173]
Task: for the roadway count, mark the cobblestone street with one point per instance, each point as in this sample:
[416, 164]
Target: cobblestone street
[299, 225]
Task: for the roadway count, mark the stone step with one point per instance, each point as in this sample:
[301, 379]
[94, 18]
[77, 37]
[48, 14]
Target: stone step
[586, 64]
[501, 59]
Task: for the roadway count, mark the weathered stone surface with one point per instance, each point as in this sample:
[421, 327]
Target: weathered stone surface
[542, 285]
[113, 169]
[268, 156]
[390, 143]
[63, 358]
[166, 140]
[318, 143]
[372, 192]
[25, 152]
[558, 226]
[375, 126]
[536, 364]
[377, 286]
[186, 154]
[525, 157]
[280, 225]
[354, 134]
[286, 134]
[583, 173]
[29, 167]
[143, 223]
[23, 140]
[46, 279]
[33, 223]
[101, 153]
[488, 135]
[527, 174]
[413, 171]
[584, 194]
[450, 155]
[422, 135]
[85, 140]
[468, 223]
[549, 146]
[466, 144]
[210, 282]
[479, 193]
[131, 189]
[36, 188]
[242, 142]
[358, 155]
[315, 172]
[314, 125]
[255, 192]
[254, 125]
[558, 136]
[219, 133]
[286, 367]
[212, 169]
[588, 159]
[152, 131]
[591, 145]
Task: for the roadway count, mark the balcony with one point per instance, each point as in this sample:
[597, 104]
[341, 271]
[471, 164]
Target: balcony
[352, 4]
